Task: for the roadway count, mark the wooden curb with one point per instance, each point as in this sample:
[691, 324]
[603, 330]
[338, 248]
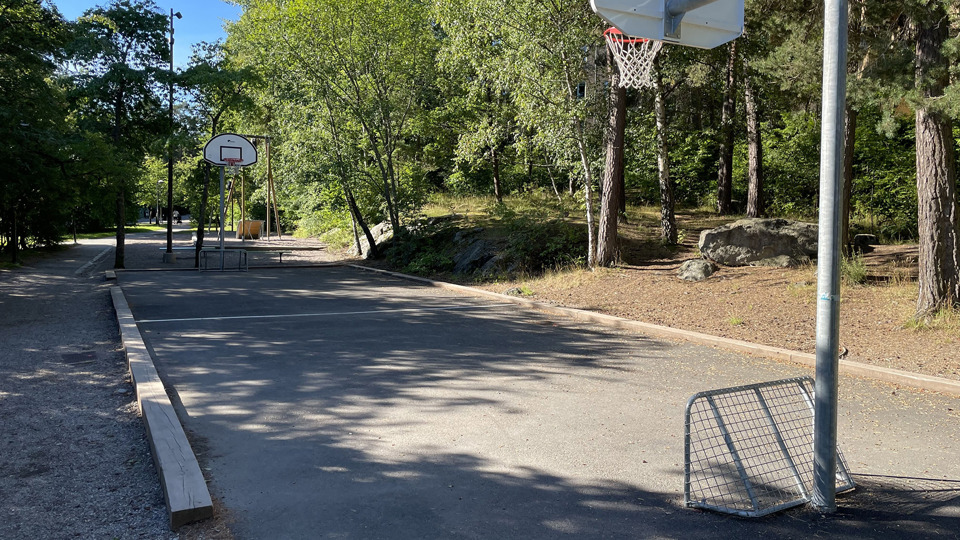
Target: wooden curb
[184, 489]
[895, 376]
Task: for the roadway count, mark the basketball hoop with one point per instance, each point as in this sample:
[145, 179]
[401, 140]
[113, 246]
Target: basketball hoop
[634, 57]
[233, 164]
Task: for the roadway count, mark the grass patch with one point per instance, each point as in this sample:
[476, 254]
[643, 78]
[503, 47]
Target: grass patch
[110, 233]
[947, 319]
[338, 238]
[853, 270]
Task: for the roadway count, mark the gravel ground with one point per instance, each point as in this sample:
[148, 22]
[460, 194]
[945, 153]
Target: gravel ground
[76, 461]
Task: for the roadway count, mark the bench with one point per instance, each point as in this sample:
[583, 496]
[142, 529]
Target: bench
[279, 253]
[241, 258]
[179, 248]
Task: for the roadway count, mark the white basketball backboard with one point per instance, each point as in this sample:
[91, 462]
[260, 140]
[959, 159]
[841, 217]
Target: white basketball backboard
[698, 23]
[228, 147]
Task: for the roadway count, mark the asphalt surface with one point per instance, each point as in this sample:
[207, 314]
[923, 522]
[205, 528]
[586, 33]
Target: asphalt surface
[332, 402]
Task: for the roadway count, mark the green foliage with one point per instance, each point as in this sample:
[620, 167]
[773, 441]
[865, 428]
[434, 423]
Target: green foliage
[792, 161]
[853, 270]
[425, 251]
[537, 246]
[35, 200]
[884, 198]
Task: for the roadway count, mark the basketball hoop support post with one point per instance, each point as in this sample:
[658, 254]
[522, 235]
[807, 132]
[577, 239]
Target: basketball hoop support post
[674, 14]
[220, 217]
[828, 255]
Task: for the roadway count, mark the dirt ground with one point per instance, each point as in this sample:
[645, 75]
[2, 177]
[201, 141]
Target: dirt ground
[770, 306]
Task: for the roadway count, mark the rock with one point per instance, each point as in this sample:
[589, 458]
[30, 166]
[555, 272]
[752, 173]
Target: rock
[863, 243]
[465, 234]
[381, 233]
[492, 266]
[696, 270]
[473, 257]
[760, 242]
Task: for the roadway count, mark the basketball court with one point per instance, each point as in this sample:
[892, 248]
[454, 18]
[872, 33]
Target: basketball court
[334, 402]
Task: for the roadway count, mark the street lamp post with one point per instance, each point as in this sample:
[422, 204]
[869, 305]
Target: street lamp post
[169, 256]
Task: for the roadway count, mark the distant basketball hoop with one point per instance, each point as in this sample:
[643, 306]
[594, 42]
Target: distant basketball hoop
[634, 56]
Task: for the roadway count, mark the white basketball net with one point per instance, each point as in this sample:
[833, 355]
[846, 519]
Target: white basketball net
[233, 165]
[634, 58]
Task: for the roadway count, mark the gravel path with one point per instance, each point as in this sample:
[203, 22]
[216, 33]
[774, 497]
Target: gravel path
[76, 462]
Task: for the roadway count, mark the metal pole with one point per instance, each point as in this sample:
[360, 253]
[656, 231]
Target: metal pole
[222, 213]
[828, 255]
[169, 256]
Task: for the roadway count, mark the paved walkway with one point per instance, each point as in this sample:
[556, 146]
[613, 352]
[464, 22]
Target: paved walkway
[335, 402]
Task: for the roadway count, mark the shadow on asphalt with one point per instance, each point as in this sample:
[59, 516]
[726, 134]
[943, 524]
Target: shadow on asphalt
[317, 400]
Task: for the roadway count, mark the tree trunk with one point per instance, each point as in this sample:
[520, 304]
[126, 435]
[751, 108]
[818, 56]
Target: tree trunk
[936, 182]
[497, 189]
[668, 220]
[849, 143]
[121, 222]
[355, 211]
[121, 184]
[755, 207]
[608, 246]
[725, 173]
[15, 240]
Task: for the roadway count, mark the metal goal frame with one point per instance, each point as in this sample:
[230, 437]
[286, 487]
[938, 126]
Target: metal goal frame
[748, 450]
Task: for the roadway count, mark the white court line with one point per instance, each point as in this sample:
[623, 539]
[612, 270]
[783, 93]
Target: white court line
[95, 260]
[341, 313]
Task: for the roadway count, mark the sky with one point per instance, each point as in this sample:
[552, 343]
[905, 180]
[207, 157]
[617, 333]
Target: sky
[202, 20]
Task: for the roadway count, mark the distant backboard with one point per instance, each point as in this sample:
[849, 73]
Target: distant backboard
[697, 23]
[230, 147]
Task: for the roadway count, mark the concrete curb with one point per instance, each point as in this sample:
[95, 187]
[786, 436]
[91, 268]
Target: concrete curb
[895, 376]
[184, 488]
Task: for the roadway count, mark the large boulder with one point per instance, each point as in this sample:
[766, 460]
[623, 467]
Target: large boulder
[760, 242]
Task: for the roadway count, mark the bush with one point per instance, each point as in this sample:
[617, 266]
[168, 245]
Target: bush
[537, 246]
[853, 270]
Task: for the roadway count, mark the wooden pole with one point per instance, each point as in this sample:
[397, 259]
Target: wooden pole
[243, 206]
[269, 185]
[273, 191]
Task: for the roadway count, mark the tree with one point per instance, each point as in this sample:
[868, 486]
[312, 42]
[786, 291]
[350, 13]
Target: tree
[116, 58]
[938, 219]
[668, 221]
[534, 52]
[608, 246]
[216, 87]
[755, 206]
[34, 201]
[725, 173]
[373, 61]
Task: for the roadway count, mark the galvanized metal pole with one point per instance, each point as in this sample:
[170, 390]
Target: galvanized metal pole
[828, 254]
[221, 216]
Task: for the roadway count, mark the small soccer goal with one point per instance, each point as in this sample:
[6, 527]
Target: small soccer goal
[749, 449]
